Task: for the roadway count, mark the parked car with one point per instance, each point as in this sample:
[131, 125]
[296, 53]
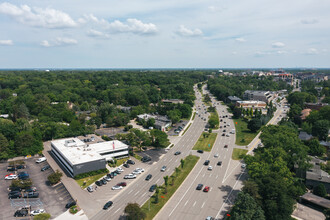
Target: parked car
[146, 159]
[15, 195]
[136, 172]
[199, 187]
[210, 168]
[126, 165]
[123, 184]
[177, 153]
[130, 176]
[23, 175]
[20, 166]
[148, 177]
[37, 212]
[152, 188]
[206, 189]
[226, 146]
[207, 162]
[31, 195]
[130, 162]
[45, 168]
[243, 165]
[104, 182]
[98, 183]
[90, 189]
[70, 204]
[11, 169]
[31, 189]
[200, 151]
[140, 169]
[219, 163]
[120, 169]
[216, 155]
[107, 205]
[41, 159]
[116, 187]
[21, 213]
[163, 169]
[209, 218]
[223, 134]
[106, 178]
[15, 189]
[10, 177]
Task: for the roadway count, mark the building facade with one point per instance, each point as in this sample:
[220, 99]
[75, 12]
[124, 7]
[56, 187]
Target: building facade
[251, 104]
[264, 96]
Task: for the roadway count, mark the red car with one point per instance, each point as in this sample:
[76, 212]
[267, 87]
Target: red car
[206, 189]
[122, 184]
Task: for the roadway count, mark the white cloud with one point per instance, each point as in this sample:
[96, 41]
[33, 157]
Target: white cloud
[37, 17]
[95, 33]
[281, 52]
[278, 45]
[312, 51]
[59, 42]
[309, 21]
[240, 39]
[6, 42]
[183, 31]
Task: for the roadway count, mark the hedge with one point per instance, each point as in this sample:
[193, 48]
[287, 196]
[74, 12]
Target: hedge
[92, 173]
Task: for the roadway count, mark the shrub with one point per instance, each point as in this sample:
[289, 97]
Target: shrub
[21, 183]
[42, 216]
[92, 173]
[55, 177]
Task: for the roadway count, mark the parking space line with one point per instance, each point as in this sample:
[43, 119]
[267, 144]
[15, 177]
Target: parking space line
[186, 202]
[117, 210]
[136, 193]
[203, 204]
[194, 204]
[130, 191]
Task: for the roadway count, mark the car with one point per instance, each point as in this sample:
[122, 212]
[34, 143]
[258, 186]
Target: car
[177, 153]
[163, 169]
[219, 163]
[224, 126]
[31, 195]
[126, 165]
[136, 172]
[10, 177]
[199, 187]
[227, 135]
[206, 189]
[130, 176]
[224, 130]
[220, 126]
[204, 119]
[107, 205]
[104, 182]
[20, 166]
[15, 189]
[117, 172]
[152, 188]
[243, 165]
[216, 155]
[23, 175]
[200, 151]
[106, 178]
[90, 189]
[148, 177]
[120, 169]
[210, 168]
[31, 189]
[98, 183]
[209, 218]
[11, 169]
[41, 159]
[140, 169]
[21, 213]
[70, 204]
[110, 175]
[146, 159]
[114, 174]
[226, 146]
[45, 168]
[130, 162]
[116, 187]
[207, 162]
[13, 192]
[15, 195]
[37, 212]
[123, 184]
[223, 134]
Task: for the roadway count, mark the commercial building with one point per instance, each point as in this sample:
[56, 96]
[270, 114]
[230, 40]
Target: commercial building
[161, 122]
[251, 104]
[76, 157]
[264, 96]
[173, 101]
[233, 99]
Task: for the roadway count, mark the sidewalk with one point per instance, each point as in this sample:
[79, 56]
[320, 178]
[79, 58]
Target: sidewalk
[67, 215]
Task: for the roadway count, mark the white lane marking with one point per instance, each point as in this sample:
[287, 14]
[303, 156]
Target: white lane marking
[225, 156]
[203, 174]
[130, 192]
[157, 181]
[143, 194]
[203, 204]
[194, 204]
[224, 177]
[216, 177]
[176, 160]
[170, 160]
[186, 203]
[117, 210]
[136, 193]
[210, 174]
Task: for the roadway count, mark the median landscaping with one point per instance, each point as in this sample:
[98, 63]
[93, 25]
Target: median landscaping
[238, 153]
[164, 192]
[243, 135]
[205, 141]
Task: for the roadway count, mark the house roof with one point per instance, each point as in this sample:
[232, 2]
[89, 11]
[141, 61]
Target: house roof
[325, 203]
[234, 98]
[304, 136]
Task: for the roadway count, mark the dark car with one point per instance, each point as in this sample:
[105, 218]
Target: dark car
[148, 177]
[219, 163]
[45, 168]
[104, 182]
[15, 189]
[21, 213]
[224, 130]
[126, 165]
[223, 134]
[31, 195]
[207, 162]
[21, 166]
[70, 204]
[23, 175]
[110, 175]
[11, 169]
[13, 192]
[113, 173]
[145, 159]
[31, 189]
[199, 187]
[123, 184]
[130, 162]
[15, 196]
[200, 151]
[152, 188]
[98, 183]
[206, 189]
[107, 205]
[226, 146]
[177, 153]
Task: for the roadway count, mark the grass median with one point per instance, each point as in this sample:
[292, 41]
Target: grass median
[186, 129]
[151, 207]
[243, 135]
[205, 141]
[238, 153]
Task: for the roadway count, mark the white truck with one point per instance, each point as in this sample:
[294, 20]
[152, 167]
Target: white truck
[41, 159]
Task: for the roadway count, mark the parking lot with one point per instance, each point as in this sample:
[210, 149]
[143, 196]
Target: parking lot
[51, 199]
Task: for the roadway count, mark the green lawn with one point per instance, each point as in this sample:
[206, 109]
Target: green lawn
[193, 116]
[203, 143]
[119, 162]
[238, 153]
[164, 196]
[89, 180]
[243, 135]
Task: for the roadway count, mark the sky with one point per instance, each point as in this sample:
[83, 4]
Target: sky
[164, 34]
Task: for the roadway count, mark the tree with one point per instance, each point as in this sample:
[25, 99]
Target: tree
[4, 144]
[166, 180]
[134, 212]
[42, 216]
[246, 208]
[21, 183]
[237, 112]
[327, 214]
[55, 177]
[320, 190]
[159, 138]
[315, 148]
[151, 122]
[182, 163]
[254, 124]
[320, 129]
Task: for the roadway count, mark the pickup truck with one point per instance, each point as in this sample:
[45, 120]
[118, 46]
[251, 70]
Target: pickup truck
[41, 159]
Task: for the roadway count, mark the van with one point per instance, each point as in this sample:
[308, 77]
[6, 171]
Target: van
[41, 159]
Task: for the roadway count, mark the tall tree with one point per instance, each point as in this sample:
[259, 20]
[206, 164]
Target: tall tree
[134, 212]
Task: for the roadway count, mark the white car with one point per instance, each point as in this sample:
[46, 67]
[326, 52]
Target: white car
[243, 165]
[120, 169]
[116, 187]
[136, 172]
[210, 168]
[130, 176]
[37, 212]
[216, 155]
[108, 179]
[11, 177]
[141, 169]
[41, 159]
[90, 189]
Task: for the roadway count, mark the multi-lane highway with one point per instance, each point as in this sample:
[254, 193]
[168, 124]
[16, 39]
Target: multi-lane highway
[137, 190]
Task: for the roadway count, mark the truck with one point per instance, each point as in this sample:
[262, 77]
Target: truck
[41, 159]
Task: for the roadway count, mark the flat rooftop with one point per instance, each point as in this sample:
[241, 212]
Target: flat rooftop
[77, 152]
[251, 102]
